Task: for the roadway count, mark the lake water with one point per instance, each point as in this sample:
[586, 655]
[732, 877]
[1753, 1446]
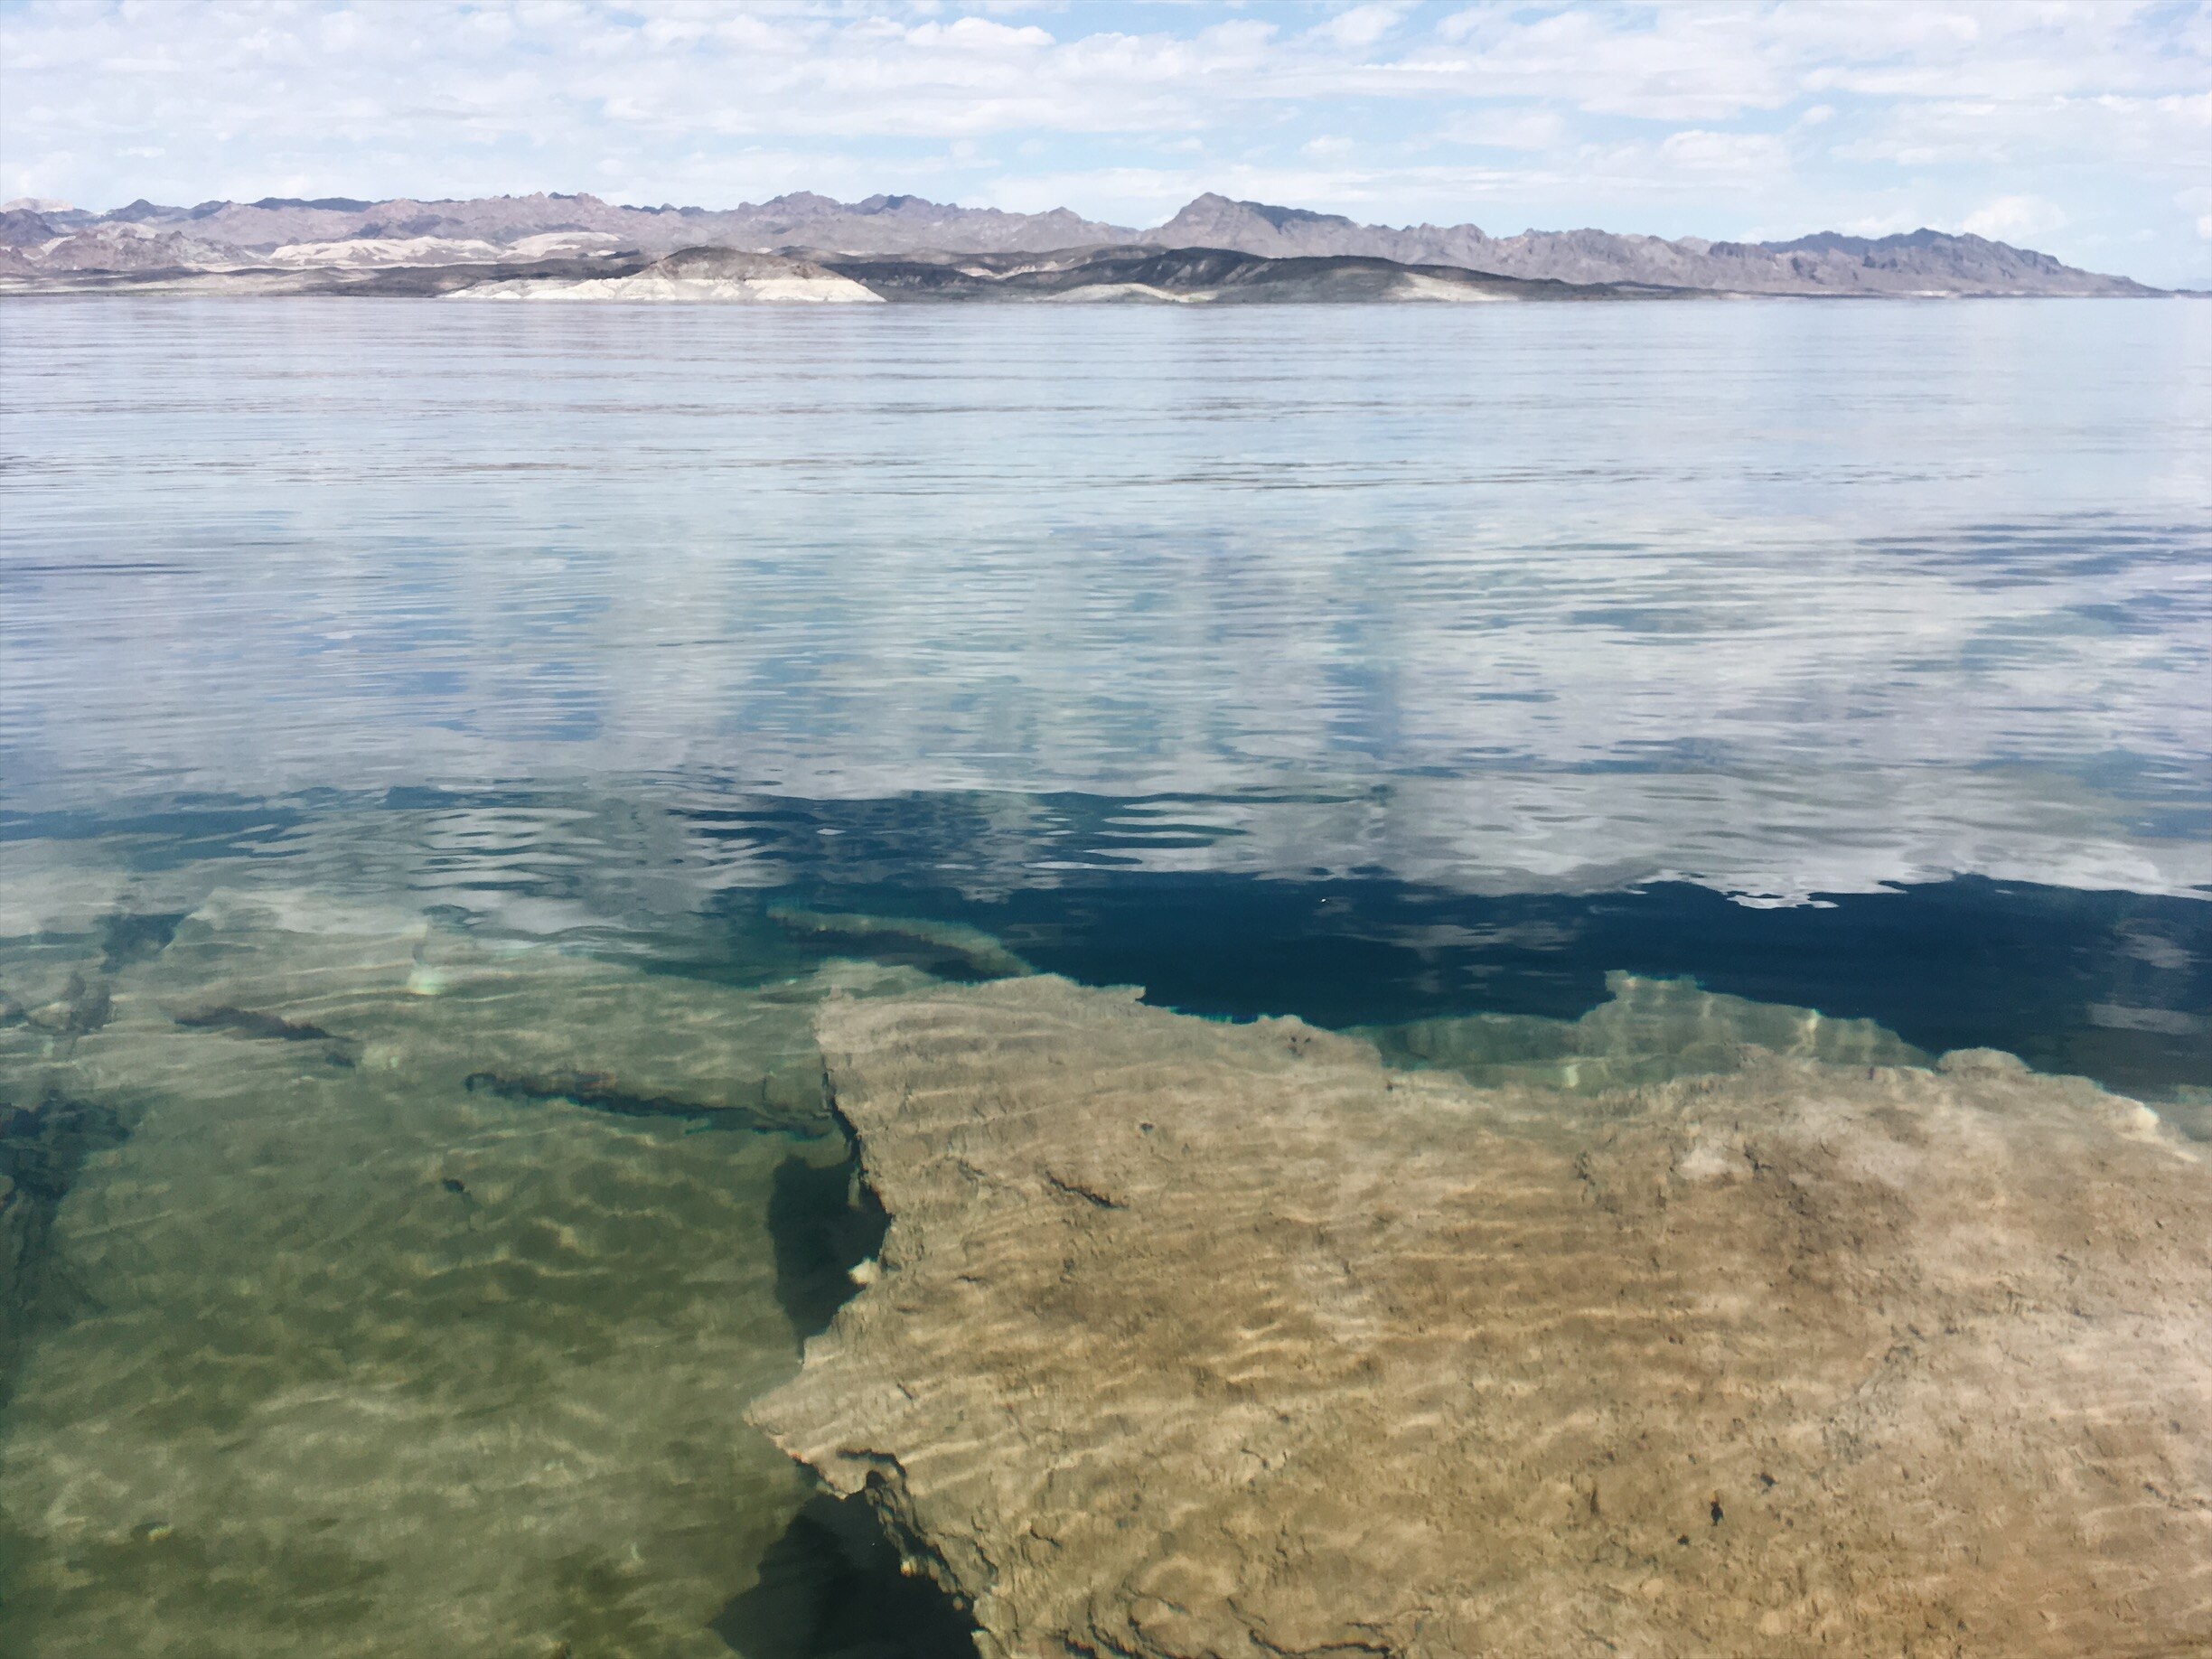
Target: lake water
[447, 750]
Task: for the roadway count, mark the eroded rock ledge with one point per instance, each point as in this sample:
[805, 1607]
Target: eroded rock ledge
[1194, 1338]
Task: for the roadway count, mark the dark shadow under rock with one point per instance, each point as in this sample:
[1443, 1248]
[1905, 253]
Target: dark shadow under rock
[830, 1588]
[42, 1149]
[824, 1223]
[271, 1028]
[126, 939]
[599, 1091]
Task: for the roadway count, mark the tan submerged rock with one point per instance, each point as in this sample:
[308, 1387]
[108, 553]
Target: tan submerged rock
[1191, 1338]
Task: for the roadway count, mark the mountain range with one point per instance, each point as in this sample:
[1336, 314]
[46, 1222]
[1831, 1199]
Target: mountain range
[51, 239]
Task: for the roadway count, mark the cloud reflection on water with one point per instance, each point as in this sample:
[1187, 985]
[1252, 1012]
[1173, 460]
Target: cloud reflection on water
[1778, 599]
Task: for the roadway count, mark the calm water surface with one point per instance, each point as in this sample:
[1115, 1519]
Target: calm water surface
[1364, 663]
[1456, 615]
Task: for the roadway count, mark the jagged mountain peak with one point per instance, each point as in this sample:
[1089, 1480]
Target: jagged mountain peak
[1212, 201]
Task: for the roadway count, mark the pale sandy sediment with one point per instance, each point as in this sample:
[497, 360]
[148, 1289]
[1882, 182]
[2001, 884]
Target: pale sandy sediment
[1110, 293]
[1191, 1338]
[643, 289]
[696, 275]
[1417, 286]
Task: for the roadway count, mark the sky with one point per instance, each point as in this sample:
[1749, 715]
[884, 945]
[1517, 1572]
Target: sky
[2082, 128]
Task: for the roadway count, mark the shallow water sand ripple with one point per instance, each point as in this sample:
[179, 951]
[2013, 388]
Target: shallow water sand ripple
[364, 1361]
[1195, 1338]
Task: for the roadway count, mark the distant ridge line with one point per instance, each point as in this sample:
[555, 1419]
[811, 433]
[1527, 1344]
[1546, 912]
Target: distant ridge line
[44, 237]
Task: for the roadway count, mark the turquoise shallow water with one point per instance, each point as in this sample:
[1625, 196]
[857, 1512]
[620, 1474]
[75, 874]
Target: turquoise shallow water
[509, 696]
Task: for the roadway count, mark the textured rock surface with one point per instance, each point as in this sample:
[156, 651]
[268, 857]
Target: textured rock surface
[1193, 1339]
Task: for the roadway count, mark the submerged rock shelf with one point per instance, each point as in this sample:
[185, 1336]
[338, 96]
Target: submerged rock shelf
[1191, 1338]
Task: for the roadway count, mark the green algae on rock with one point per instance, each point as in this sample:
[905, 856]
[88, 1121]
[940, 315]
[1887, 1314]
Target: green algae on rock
[1191, 1338]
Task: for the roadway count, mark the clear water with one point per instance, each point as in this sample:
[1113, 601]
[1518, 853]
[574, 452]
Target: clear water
[520, 699]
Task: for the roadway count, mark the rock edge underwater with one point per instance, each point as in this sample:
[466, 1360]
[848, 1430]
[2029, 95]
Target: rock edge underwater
[1196, 1338]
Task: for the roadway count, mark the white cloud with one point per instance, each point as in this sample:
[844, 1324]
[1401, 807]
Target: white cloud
[521, 67]
[1510, 127]
[1360, 26]
[1723, 155]
[1691, 63]
[2166, 132]
[2012, 219]
[2197, 201]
